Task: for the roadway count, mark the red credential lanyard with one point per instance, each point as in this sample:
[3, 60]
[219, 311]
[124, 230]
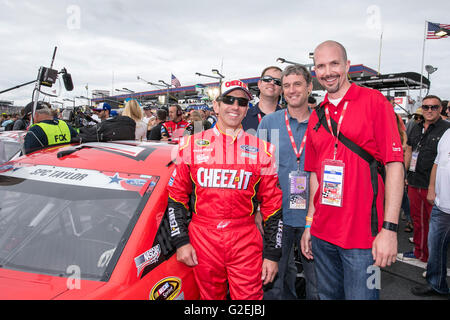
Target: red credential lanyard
[327, 114]
[298, 153]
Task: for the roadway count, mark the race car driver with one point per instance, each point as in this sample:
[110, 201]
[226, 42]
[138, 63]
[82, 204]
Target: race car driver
[219, 176]
[176, 125]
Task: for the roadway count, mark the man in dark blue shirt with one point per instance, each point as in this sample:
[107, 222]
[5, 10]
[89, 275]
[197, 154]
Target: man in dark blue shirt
[46, 131]
[269, 86]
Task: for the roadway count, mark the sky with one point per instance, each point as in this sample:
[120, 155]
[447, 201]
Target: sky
[105, 44]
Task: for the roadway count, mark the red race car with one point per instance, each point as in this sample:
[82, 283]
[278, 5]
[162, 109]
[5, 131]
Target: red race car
[89, 222]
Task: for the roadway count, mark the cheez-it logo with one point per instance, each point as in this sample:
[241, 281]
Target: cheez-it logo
[235, 83]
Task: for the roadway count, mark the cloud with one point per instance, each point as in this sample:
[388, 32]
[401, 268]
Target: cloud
[108, 44]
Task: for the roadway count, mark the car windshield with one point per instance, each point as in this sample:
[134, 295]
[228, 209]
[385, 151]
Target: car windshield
[60, 220]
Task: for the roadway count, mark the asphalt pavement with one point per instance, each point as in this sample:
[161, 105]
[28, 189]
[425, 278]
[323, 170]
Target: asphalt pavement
[398, 279]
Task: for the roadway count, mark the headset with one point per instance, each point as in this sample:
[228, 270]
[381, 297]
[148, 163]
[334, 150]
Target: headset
[179, 110]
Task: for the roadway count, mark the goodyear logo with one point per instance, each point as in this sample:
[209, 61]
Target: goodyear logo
[202, 142]
[166, 289]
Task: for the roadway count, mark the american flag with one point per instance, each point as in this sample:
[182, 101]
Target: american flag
[432, 28]
[175, 82]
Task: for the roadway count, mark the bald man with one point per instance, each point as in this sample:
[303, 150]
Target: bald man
[350, 234]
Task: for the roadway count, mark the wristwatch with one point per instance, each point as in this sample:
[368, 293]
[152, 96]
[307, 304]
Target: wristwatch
[390, 226]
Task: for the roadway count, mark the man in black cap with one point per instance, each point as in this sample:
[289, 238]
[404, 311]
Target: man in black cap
[46, 130]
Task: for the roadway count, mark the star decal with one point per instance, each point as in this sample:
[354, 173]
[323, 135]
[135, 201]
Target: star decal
[115, 179]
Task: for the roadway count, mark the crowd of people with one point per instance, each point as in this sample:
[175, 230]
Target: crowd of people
[341, 168]
[328, 179]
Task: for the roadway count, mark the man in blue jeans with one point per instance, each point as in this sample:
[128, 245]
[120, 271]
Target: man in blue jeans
[439, 231]
[353, 213]
[286, 129]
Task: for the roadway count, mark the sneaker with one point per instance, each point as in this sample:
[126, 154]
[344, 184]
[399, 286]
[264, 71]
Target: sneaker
[411, 239]
[407, 256]
[426, 290]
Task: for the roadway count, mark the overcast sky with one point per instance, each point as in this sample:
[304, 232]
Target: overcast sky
[107, 44]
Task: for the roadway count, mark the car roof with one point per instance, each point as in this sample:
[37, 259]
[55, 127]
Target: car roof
[16, 135]
[119, 156]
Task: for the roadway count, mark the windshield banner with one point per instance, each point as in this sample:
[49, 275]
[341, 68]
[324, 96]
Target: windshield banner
[83, 177]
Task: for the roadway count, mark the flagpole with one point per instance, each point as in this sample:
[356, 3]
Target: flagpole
[379, 56]
[423, 58]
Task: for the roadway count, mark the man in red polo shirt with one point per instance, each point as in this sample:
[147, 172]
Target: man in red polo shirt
[353, 214]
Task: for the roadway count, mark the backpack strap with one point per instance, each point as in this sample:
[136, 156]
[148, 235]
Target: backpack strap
[375, 166]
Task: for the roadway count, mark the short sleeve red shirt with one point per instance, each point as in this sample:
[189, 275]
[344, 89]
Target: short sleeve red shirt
[370, 123]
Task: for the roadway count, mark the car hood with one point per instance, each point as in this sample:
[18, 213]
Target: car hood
[16, 285]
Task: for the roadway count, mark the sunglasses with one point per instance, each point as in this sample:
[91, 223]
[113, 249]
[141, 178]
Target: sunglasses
[418, 117]
[242, 102]
[269, 79]
[426, 108]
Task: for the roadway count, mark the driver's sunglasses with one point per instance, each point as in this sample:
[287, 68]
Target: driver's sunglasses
[434, 108]
[242, 102]
[269, 78]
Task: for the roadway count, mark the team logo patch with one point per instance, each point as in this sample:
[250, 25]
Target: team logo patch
[247, 148]
[202, 142]
[166, 289]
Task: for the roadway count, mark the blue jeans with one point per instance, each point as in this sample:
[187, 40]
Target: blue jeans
[405, 205]
[438, 239]
[344, 273]
[284, 284]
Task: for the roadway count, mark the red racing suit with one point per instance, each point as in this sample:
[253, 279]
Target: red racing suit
[221, 179]
[175, 130]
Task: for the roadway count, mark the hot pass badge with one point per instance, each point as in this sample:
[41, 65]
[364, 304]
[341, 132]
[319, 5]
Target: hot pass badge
[332, 183]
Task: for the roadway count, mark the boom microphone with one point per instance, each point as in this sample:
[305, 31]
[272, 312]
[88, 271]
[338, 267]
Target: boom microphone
[67, 78]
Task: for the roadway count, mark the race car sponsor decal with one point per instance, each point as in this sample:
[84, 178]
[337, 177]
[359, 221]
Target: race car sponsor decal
[83, 177]
[166, 289]
[105, 258]
[150, 256]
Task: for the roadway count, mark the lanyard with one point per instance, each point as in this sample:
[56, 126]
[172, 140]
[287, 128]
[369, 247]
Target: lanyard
[298, 153]
[259, 117]
[327, 114]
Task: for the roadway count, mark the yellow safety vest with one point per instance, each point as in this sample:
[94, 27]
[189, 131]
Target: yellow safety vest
[56, 134]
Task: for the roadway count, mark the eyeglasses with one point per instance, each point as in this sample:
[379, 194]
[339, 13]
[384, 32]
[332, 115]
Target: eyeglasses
[269, 78]
[242, 102]
[426, 107]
